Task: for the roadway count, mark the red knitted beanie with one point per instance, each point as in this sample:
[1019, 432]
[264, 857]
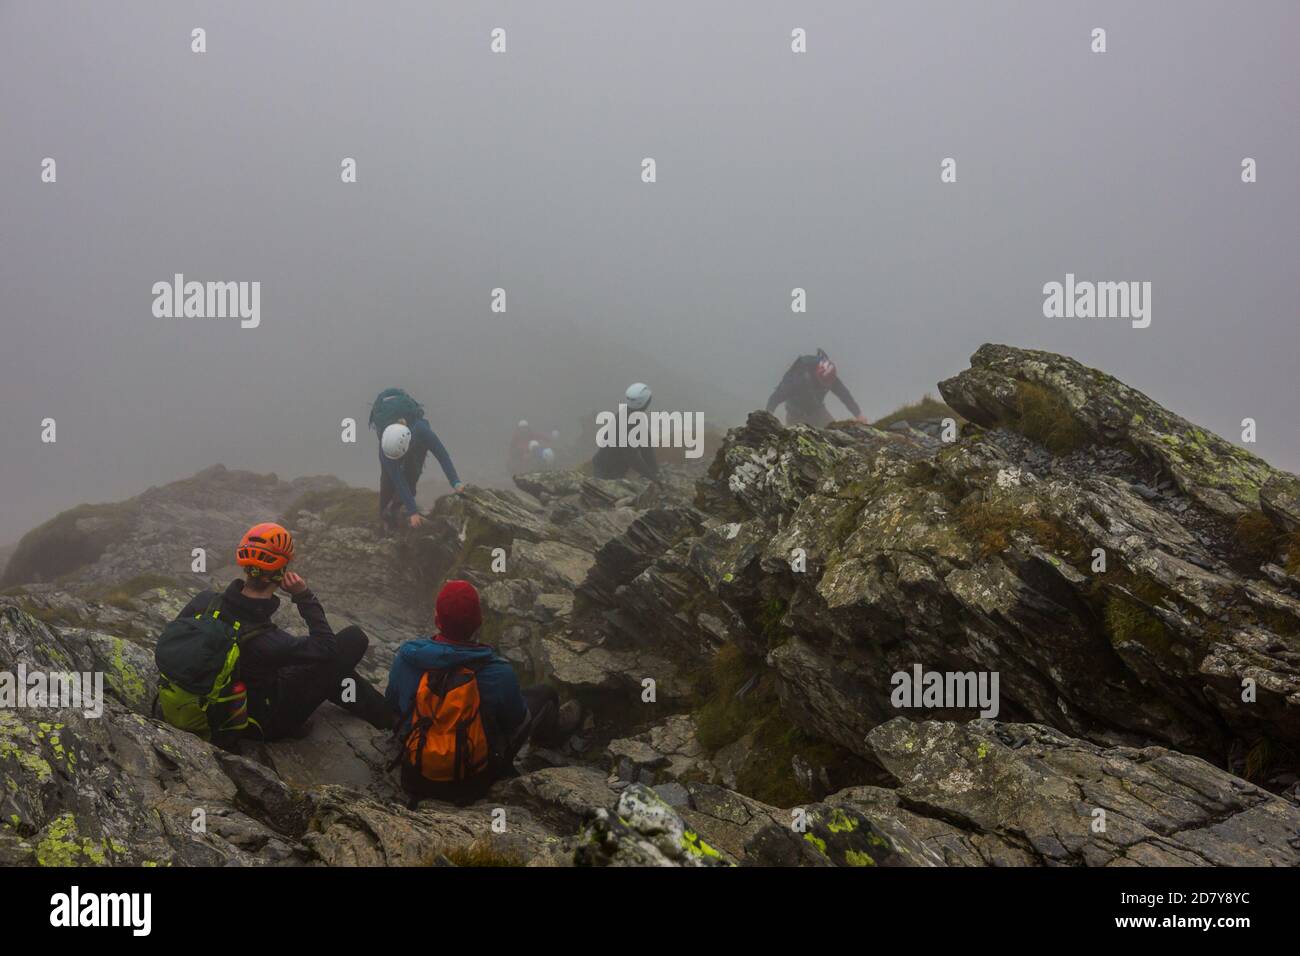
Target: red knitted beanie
[457, 613]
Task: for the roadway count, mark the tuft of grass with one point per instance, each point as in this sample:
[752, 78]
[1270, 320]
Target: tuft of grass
[769, 622]
[1043, 416]
[928, 407]
[1259, 760]
[925, 474]
[338, 507]
[722, 718]
[121, 595]
[479, 853]
[1279, 621]
[1127, 621]
[769, 774]
[54, 616]
[991, 524]
[1255, 537]
[1291, 549]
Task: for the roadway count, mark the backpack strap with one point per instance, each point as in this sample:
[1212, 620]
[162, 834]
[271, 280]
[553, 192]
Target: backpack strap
[216, 608]
[245, 635]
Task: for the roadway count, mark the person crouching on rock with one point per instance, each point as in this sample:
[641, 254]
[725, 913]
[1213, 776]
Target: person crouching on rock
[463, 716]
[615, 461]
[288, 677]
[803, 391]
[405, 439]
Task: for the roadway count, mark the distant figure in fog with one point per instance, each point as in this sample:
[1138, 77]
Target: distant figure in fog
[614, 461]
[405, 438]
[803, 391]
[531, 450]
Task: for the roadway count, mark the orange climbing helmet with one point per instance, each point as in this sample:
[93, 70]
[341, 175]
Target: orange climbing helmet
[265, 548]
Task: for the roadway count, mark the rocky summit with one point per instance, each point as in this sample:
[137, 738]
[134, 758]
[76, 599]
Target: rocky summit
[748, 645]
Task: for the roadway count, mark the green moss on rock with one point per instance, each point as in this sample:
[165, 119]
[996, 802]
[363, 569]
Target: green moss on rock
[63, 845]
[1127, 622]
[722, 718]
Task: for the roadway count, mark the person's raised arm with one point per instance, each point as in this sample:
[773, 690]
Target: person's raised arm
[439, 452]
[777, 397]
[782, 390]
[842, 393]
[320, 643]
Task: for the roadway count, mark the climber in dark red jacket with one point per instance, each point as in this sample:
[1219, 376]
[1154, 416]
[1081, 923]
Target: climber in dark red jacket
[803, 391]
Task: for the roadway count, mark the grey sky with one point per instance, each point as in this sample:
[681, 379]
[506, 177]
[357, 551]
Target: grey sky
[523, 171]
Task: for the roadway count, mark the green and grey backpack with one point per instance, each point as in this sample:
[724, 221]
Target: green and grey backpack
[392, 404]
[199, 689]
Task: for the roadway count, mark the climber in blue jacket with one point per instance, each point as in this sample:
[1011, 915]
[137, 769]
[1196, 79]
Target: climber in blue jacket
[510, 714]
[405, 439]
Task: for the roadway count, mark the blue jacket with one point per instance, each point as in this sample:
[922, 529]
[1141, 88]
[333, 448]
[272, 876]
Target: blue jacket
[424, 441]
[504, 710]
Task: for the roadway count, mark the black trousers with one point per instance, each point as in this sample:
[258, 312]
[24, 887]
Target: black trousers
[543, 702]
[299, 690]
[391, 509]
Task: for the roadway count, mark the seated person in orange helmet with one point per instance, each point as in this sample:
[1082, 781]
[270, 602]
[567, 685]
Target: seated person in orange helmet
[288, 677]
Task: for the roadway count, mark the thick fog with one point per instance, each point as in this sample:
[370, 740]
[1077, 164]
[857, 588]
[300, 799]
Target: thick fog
[523, 170]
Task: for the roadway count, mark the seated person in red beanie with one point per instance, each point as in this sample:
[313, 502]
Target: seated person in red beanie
[438, 684]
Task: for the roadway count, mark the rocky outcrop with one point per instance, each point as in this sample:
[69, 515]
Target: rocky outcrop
[1114, 609]
[643, 830]
[1035, 795]
[1212, 472]
[1279, 499]
[156, 532]
[120, 788]
[734, 639]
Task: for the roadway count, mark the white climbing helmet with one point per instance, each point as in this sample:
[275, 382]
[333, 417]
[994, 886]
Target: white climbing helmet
[638, 396]
[395, 441]
[523, 423]
[548, 456]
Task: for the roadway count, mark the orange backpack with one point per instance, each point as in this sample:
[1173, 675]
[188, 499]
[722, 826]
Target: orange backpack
[447, 743]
